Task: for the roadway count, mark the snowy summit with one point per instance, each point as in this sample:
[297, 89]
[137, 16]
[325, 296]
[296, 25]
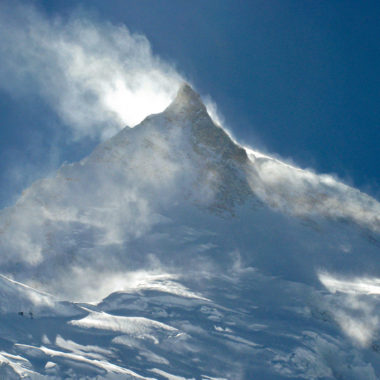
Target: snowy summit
[174, 252]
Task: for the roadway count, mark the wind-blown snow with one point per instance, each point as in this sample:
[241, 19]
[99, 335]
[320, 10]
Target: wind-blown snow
[304, 193]
[134, 326]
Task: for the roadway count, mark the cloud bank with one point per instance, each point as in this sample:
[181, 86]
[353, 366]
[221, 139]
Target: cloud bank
[97, 76]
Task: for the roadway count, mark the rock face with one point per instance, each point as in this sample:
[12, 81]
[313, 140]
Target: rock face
[185, 134]
[201, 259]
[187, 108]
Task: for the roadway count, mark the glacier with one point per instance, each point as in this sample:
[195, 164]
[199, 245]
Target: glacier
[174, 252]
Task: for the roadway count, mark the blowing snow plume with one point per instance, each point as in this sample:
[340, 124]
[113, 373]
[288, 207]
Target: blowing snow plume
[98, 77]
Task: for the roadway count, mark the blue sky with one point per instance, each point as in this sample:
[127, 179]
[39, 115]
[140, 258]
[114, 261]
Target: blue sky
[295, 78]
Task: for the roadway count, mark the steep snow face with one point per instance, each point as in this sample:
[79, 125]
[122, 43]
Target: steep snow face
[249, 326]
[208, 253]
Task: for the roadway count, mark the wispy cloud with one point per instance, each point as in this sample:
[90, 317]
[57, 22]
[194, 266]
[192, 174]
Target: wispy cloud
[97, 76]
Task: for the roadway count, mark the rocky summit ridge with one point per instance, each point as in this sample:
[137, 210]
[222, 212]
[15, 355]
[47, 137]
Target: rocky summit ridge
[189, 106]
[186, 134]
[186, 100]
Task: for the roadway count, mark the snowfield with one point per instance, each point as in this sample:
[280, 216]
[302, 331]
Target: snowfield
[173, 252]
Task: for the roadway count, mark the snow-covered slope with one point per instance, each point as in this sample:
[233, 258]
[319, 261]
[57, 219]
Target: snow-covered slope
[193, 257]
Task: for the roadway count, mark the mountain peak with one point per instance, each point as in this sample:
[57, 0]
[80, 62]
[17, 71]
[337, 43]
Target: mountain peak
[188, 109]
[186, 100]
[187, 93]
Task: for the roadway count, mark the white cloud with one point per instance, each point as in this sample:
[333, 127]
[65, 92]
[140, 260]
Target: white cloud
[98, 77]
